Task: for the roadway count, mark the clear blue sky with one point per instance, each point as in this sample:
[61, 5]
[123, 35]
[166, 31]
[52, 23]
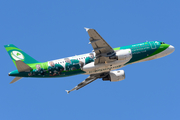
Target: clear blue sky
[49, 30]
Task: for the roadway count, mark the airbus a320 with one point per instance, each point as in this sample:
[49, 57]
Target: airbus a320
[101, 63]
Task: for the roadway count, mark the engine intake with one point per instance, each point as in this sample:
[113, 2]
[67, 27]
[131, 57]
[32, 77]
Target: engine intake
[114, 76]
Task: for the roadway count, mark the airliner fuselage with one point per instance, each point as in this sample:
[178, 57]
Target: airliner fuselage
[98, 64]
[128, 55]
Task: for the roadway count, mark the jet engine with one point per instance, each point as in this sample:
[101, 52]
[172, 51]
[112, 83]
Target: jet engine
[124, 54]
[114, 76]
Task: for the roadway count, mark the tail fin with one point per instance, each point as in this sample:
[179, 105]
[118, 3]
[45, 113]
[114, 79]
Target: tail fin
[17, 54]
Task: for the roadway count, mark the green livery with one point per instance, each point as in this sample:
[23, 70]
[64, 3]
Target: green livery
[90, 58]
[17, 54]
[98, 64]
[74, 66]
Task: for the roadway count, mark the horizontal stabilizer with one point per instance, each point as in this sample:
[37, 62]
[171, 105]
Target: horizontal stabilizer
[22, 67]
[15, 79]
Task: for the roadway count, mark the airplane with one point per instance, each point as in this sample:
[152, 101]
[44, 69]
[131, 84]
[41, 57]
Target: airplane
[101, 63]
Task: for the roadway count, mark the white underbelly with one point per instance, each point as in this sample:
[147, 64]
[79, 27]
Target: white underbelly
[103, 67]
[123, 57]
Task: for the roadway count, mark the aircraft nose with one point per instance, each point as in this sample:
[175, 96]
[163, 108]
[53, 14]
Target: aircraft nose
[170, 49]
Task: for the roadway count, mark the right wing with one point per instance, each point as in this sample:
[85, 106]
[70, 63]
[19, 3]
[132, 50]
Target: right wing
[83, 83]
[88, 80]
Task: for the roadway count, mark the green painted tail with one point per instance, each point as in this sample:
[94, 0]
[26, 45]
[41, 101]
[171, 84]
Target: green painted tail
[17, 54]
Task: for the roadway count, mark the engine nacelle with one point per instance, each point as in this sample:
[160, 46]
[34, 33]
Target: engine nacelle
[123, 55]
[114, 76]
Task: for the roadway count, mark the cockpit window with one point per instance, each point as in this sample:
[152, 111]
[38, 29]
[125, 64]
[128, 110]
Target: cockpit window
[163, 43]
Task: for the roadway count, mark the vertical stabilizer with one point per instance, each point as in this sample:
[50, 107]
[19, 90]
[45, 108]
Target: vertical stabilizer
[17, 54]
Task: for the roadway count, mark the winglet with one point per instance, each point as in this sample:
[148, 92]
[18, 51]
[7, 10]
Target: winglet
[86, 29]
[68, 91]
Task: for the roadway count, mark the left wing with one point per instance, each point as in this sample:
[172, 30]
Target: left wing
[88, 80]
[102, 49]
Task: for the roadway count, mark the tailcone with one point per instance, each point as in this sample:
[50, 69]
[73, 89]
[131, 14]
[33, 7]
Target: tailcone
[14, 73]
